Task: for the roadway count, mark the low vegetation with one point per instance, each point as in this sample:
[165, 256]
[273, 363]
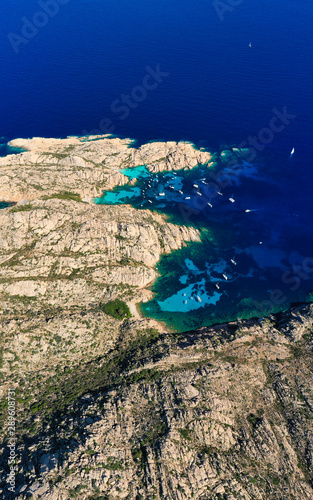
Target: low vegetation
[22, 208]
[116, 308]
[63, 195]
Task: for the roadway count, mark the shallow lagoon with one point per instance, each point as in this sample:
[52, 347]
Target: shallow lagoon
[4, 204]
[254, 257]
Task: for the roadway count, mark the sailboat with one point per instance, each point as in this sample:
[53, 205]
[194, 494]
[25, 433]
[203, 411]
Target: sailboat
[250, 45]
[292, 152]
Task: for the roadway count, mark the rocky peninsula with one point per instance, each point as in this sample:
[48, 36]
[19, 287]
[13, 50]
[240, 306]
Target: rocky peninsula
[121, 408]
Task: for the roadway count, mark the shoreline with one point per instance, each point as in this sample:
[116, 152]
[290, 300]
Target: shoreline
[60, 169]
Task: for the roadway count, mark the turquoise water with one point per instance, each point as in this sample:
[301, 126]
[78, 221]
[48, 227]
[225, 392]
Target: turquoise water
[4, 204]
[6, 150]
[254, 257]
[71, 76]
[122, 196]
[135, 173]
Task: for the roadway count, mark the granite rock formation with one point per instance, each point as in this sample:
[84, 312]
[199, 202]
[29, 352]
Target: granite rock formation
[111, 408]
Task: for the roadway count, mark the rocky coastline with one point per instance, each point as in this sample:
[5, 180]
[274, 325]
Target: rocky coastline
[111, 408]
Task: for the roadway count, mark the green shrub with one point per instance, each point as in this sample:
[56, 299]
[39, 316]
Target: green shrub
[185, 433]
[22, 208]
[63, 195]
[116, 308]
[113, 464]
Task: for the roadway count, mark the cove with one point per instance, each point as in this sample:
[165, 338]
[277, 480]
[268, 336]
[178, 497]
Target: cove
[6, 149]
[5, 204]
[254, 257]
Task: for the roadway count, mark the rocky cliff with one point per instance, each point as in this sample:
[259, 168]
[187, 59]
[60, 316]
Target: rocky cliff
[85, 167]
[111, 408]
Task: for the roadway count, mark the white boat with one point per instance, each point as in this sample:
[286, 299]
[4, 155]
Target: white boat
[218, 192]
[161, 194]
[180, 191]
[195, 185]
[233, 262]
[292, 152]
[225, 277]
[248, 210]
[250, 44]
[232, 200]
[198, 298]
[171, 187]
[149, 201]
[185, 301]
[210, 205]
[217, 286]
[198, 192]
[187, 198]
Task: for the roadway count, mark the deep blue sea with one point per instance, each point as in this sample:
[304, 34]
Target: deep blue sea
[80, 68]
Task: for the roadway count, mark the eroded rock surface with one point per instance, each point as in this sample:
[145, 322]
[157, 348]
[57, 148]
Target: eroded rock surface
[223, 412]
[123, 409]
[86, 168]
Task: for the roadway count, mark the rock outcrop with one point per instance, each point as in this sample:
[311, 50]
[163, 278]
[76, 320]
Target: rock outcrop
[222, 412]
[86, 168]
[110, 408]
